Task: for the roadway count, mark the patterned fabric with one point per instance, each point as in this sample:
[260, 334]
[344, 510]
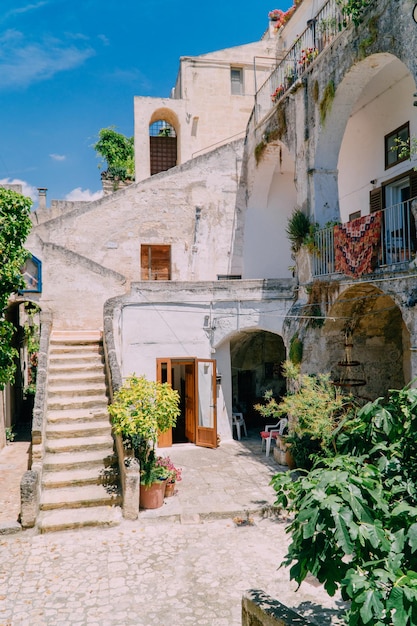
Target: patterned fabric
[356, 244]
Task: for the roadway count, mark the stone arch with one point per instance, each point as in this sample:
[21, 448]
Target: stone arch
[362, 84]
[380, 339]
[163, 145]
[271, 200]
[256, 357]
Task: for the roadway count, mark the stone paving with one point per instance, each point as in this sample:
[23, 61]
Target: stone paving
[187, 563]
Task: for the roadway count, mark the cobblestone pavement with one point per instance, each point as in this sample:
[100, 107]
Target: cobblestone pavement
[153, 573]
[186, 563]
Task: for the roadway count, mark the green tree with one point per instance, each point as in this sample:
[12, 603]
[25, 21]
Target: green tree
[15, 225]
[117, 151]
[355, 516]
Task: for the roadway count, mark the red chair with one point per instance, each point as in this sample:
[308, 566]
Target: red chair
[272, 432]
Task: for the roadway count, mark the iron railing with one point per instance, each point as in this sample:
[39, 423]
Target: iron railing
[398, 242]
[318, 35]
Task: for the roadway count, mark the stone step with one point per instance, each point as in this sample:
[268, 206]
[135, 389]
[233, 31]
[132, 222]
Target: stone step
[70, 389]
[76, 376]
[62, 461]
[77, 402]
[79, 444]
[81, 348]
[69, 416]
[78, 429]
[73, 361]
[55, 520]
[80, 476]
[66, 334]
[79, 496]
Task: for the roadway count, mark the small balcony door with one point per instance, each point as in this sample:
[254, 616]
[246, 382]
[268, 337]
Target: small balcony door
[195, 380]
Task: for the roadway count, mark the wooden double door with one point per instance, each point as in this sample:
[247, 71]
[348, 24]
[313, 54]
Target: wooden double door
[195, 381]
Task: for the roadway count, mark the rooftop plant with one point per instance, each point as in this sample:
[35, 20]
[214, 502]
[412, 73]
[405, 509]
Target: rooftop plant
[117, 151]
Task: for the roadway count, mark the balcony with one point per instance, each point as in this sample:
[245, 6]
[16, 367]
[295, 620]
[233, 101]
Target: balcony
[395, 245]
[319, 34]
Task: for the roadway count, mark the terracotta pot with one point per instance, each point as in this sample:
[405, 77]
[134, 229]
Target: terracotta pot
[152, 497]
[169, 489]
[289, 459]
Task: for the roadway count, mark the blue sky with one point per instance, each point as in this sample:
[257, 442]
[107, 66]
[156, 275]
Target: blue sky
[68, 69]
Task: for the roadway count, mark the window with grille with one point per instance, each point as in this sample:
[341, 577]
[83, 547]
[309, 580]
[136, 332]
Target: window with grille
[394, 146]
[163, 146]
[236, 80]
[155, 262]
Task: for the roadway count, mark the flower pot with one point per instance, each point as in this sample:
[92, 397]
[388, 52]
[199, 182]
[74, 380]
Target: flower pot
[290, 459]
[152, 497]
[169, 489]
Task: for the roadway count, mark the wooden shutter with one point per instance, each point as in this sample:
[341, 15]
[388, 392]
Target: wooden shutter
[413, 184]
[375, 200]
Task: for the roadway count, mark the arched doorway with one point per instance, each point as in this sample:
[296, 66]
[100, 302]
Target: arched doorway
[256, 359]
[380, 340]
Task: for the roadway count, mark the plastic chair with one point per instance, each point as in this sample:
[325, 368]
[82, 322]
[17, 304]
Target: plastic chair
[272, 431]
[239, 422]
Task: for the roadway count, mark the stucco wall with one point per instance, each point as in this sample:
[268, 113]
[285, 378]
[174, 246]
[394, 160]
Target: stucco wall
[92, 252]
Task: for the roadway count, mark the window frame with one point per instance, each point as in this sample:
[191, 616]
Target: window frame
[389, 142]
[235, 82]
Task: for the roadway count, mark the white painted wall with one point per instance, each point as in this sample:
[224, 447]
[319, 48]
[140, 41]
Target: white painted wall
[385, 104]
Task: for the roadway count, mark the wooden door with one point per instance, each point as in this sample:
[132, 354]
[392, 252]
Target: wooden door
[206, 416]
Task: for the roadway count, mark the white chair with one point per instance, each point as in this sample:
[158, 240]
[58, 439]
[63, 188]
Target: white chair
[272, 431]
[238, 422]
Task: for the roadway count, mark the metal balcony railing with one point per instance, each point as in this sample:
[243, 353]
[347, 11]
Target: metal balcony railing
[398, 241]
[318, 35]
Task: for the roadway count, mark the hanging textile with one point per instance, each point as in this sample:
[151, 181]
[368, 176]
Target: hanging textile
[356, 245]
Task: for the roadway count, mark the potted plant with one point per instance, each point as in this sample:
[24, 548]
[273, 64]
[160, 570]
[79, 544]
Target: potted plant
[314, 407]
[173, 474]
[140, 410]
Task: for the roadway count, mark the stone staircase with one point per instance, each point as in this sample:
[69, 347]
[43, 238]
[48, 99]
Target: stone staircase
[79, 476]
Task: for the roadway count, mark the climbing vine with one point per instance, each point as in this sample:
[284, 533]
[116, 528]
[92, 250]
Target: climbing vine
[15, 225]
[354, 10]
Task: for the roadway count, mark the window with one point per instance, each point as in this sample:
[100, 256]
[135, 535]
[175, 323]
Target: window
[163, 146]
[354, 216]
[236, 80]
[392, 149]
[155, 262]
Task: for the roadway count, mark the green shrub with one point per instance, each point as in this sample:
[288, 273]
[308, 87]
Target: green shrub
[355, 515]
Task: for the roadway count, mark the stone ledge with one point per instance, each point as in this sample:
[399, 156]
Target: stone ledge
[10, 528]
[259, 609]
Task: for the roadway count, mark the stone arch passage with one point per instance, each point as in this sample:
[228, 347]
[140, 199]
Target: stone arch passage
[381, 341]
[256, 358]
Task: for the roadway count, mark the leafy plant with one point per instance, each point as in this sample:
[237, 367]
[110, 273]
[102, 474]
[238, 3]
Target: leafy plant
[118, 152]
[314, 407]
[141, 408]
[355, 515]
[295, 352]
[354, 10]
[15, 225]
[300, 230]
[10, 434]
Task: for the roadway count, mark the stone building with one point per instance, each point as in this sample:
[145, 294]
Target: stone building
[191, 265]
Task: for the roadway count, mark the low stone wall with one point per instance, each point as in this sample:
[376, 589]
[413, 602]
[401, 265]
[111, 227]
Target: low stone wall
[259, 609]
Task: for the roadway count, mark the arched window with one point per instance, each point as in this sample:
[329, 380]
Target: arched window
[163, 146]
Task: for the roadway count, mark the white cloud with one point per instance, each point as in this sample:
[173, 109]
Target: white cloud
[58, 157]
[23, 62]
[83, 194]
[24, 9]
[27, 190]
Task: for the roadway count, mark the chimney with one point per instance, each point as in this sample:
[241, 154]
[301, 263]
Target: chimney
[42, 197]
